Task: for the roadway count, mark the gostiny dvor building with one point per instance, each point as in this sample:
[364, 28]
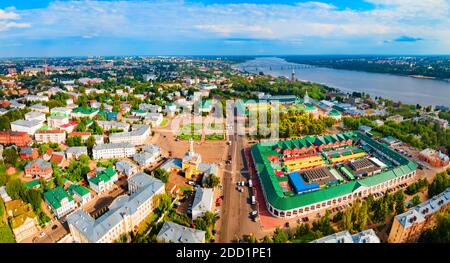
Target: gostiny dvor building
[315, 173]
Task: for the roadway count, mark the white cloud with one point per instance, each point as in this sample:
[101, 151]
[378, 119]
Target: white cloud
[159, 20]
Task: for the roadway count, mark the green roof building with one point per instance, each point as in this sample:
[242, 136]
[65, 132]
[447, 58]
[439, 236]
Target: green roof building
[35, 184]
[59, 201]
[104, 180]
[84, 112]
[285, 205]
[80, 193]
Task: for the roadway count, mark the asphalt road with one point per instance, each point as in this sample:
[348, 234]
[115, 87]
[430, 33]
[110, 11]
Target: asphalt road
[236, 207]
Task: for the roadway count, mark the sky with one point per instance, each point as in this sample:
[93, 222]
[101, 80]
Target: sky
[46, 28]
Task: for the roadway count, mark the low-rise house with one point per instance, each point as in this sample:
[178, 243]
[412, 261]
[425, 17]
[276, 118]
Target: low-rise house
[366, 236]
[60, 202]
[379, 122]
[53, 136]
[124, 215]
[39, 168]
[58, 158]
[48, 154]
[132, 119]
[76, 152]
[4, 195]
[433, 157]
[36, 98]
[113, 150]
[80, 193]
[29, 127]
[108, 125]
[150, 107]
[203, 202]
[174, 233]
[69, 127]
[126, 168]
[39, 108]
[150, 154]
[104, 180]
[57, 121]
[20, 139]
[139, 113]
[59, 111]
[145, 158]
[171, 109]
[137, 136]
[154, 119]
[22, 218]
[395, 118]
[28, 153]
[83, 112]
[34, 115]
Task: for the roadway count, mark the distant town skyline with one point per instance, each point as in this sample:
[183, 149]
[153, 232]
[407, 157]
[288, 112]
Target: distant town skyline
[223, 27]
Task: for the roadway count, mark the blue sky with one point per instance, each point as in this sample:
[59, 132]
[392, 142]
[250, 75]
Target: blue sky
[228, 27]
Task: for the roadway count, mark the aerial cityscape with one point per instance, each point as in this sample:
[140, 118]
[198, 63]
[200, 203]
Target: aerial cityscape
[127, 129]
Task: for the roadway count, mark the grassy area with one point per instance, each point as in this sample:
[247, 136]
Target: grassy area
[187, 136]
[214, 137]
[6, 234]
[304, 239]
[147, 223]
[164, 122]
[185, 189]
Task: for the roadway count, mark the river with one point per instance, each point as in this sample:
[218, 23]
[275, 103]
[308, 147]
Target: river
[398, 88]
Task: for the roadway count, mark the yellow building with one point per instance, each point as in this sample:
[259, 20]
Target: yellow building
[23, 220]
[191, 161]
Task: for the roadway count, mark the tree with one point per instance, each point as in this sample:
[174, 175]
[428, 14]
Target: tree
[10, 156]
[211, 181]
[74, 141]
[81, 127]
[161, 175]
[76, 170]
[440, 233]
[96, 129]
[399, 198]
[439, 184]
[280, 236]
[14, 188]
[164, 201]
[2, 209]
[267, 239]
[414, 201]
[210, 218]
[90, 142]
[251, 239]
[59, 181]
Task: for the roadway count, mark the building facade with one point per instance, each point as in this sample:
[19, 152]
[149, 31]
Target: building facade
[113, 150]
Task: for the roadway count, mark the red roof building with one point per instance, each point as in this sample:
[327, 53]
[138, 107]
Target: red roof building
[20, 139]
[29, 153]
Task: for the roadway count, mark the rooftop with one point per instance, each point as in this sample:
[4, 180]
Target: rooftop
[175, 233]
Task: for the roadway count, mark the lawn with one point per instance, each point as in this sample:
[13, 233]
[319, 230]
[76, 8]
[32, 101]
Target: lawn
[214, 137]
[185, 188]
[163, 123]
[6, 234]
[187, 136]
[143, 226]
